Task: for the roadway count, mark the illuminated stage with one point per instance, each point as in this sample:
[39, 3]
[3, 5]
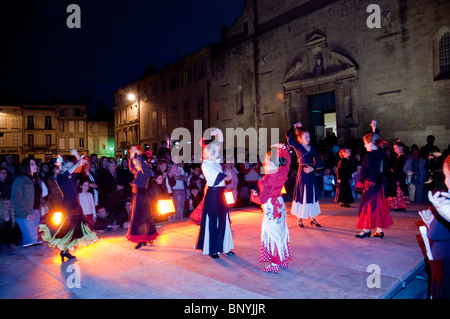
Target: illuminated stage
[328, 262]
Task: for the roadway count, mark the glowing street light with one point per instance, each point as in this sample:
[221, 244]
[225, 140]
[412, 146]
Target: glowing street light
[131, 97]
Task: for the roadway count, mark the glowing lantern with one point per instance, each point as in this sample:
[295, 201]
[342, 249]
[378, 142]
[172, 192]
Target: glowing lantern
[229, 198]
[165, 206]
[283, 190]
[57, 218]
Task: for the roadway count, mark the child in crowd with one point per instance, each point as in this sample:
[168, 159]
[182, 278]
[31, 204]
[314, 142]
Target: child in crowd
[86, 201]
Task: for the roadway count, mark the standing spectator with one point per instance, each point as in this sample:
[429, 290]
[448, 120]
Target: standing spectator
[12, 166]
[252, 174]
[157, 190]
[429, 149]
[94, 162]
[178, 190]
[5, 184]
[110, 195]
[87, 173]
[415, 172]
[344, 175]
[86, 201]
[163, 149]
[27, 201]
[55, 195]
[126, 177]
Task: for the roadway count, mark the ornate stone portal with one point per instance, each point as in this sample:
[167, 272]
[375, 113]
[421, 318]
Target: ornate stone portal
[314, 76]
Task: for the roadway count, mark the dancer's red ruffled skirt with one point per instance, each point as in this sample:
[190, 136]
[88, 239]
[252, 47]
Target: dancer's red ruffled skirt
[374, 211]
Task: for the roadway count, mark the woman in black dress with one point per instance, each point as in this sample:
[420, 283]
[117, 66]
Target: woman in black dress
[142, 227]
[398, 175]
[344, 176]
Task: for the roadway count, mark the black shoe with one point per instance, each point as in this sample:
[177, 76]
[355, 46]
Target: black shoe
[215, 256]
[230, 253]
[314, 223]
[347, 205]
[300, 224]
[66, 254]
[378, 234]
[363, 235]
[139, 245]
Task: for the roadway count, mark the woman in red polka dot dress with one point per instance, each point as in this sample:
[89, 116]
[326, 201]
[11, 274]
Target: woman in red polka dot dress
[274, 232]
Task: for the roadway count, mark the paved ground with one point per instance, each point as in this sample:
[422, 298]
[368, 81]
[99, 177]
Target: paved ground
[328, 263]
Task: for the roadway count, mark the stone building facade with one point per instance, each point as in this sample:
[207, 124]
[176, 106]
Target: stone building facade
[319, 62]
[171, 98]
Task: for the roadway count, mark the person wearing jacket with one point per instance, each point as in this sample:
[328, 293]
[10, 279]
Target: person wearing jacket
[27, 201]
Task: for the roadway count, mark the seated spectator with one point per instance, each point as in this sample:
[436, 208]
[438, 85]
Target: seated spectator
[106, 221]
[195, 197]
[329, 182]
[10, 233]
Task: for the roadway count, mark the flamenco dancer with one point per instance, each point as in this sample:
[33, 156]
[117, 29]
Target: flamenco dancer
[344, 175]
[373, 210]
[215, 231]
[142, 227]
[72, 232]
[274, 231]
[305, 202]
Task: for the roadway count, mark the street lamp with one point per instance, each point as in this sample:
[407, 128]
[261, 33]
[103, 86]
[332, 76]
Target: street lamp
[131, 97]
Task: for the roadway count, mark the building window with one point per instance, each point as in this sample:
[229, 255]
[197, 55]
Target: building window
[81, 142]
[95, 128]
[200, 70]
[200, 107]
[16, 140]
[71, 143]
[30, 122]
[48, 140]
[71, 126]
[62, 143]
[3, 141]
[174, 116]
[444, 54]
[154, 123]
[164, 119]
[186, 114]
[81, 126]
[173, 82]
[61, 126]
[30, 139]
[3, 122]
[77, 112]
[48, 122]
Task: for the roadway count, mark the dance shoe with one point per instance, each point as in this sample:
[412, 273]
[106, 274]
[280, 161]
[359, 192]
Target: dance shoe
[314, 223]
[215, 256]
[139, 245]
[300, 224]
[363, 234]
[274, 268]
[230, 253]
[378, 234]
[66, 254]
[285, 264]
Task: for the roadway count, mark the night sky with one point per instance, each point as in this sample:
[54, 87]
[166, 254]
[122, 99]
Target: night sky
[43, 60]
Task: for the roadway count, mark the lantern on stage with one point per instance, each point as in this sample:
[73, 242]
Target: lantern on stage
[283, 191]
[165, 206]
[57, 218]
[229, 198]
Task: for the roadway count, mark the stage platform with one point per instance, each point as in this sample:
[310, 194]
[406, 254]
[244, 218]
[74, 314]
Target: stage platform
[328, 263]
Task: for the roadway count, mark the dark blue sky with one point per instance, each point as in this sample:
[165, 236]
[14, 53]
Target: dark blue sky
[41, 58]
